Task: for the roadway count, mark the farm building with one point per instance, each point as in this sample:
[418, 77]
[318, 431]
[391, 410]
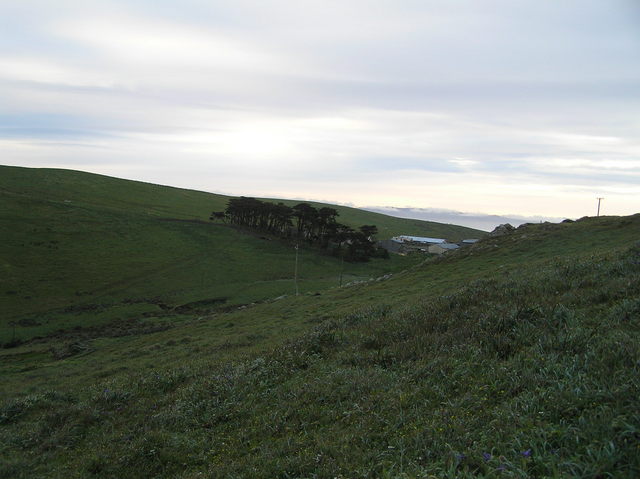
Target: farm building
[442, 248]
[392, 246]
[418, 239]
[406, 244]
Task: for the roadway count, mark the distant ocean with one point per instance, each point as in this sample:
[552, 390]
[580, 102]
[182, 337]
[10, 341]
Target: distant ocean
[471, 220]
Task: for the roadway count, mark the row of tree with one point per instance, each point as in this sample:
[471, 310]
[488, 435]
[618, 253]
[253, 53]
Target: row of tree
[304, 222]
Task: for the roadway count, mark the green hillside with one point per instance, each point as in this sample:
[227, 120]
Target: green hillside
[87, 190]
[389, 226]
[81, 249]
[515, 358]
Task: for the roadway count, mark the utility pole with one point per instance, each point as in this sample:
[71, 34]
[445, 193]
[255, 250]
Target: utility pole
[599, 199]
[295, 273]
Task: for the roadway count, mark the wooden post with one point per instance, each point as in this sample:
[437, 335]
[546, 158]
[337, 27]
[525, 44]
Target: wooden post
[295, 273]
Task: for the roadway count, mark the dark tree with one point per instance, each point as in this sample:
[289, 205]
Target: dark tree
[218, 215]
[369, 231]
[307, 220]
[312, 225]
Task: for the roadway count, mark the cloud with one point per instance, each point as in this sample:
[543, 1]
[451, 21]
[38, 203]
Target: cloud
[141, 44]
[525, 107]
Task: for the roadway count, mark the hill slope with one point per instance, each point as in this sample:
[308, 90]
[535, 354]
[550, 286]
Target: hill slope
[80, 249]
[103, 192]
[516, 358]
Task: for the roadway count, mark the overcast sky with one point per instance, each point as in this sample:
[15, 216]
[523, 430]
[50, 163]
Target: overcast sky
[526, 107]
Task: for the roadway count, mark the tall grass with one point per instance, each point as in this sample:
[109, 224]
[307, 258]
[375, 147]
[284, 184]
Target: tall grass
[533, 374]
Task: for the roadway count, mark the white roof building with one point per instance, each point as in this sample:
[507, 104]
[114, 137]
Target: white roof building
[418, 239]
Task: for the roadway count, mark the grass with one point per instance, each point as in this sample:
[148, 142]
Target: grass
[90, 191]
[517, 357]
[389, 226]
[508, 377]
[94, 243]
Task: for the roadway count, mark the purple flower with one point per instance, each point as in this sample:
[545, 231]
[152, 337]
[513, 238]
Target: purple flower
[460, 457]
[486, 456]
[526, 453]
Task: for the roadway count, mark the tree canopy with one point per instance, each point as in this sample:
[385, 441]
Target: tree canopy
[304, 222]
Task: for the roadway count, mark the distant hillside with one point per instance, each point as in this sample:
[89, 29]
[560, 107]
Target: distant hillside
[88, 189]
[389, 225]
[78, 247]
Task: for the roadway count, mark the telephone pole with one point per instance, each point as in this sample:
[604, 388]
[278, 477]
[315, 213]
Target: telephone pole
[599, 199]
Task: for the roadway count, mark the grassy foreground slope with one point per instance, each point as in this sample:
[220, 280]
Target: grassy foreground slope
[517, 358]
[78, 247]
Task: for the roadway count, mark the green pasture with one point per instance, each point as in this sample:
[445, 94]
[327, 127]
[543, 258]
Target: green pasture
[515, 358]
[75, 241]
[165, 348]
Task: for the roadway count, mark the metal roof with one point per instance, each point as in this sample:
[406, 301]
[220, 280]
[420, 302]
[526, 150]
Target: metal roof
[420, 239]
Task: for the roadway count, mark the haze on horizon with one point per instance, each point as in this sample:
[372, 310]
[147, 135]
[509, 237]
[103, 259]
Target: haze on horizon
[509, 107]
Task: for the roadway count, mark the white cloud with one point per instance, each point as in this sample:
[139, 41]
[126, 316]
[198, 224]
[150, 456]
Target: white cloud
[40, 70]
[502, 107]
[143, 43]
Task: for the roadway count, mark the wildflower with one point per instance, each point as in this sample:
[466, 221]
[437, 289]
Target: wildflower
[486, 456]
[526, 453]
[460, 457]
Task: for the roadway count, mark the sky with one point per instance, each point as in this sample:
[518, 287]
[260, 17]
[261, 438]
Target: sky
[507, 107]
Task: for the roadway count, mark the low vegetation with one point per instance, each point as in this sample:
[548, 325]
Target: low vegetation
[84, 250]
[527, 376]
[517, 357]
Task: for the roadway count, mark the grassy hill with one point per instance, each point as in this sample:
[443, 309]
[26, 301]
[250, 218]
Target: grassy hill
[389, 226]
[516, 358]
[82, 249]
[88, 190]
